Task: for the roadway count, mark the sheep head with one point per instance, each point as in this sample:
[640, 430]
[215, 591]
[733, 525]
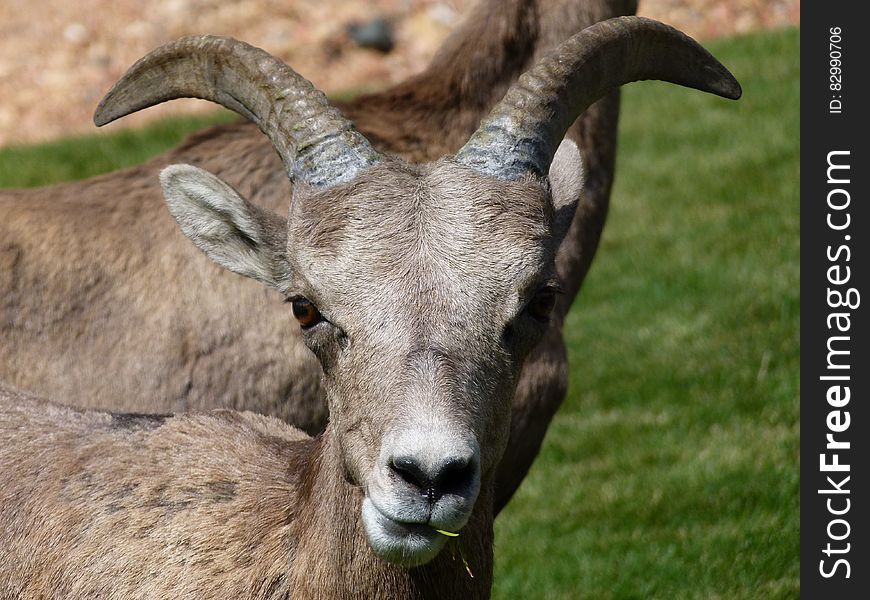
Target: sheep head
[420, 288]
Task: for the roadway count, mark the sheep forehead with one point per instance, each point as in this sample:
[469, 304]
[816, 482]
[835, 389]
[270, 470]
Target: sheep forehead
[437, 235]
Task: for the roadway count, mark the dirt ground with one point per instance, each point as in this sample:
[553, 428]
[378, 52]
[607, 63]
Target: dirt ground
[57, 58]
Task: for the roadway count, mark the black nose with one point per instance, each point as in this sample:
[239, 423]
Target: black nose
[452, 475]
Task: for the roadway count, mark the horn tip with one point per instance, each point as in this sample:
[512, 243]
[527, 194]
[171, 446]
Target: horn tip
[103, 116]
[730, 88]
[100, 120]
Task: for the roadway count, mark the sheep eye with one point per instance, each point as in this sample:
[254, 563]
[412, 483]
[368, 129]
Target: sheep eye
[305, 312]
[541, 306]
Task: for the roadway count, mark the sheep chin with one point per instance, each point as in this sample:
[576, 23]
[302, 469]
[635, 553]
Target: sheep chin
[403, 544]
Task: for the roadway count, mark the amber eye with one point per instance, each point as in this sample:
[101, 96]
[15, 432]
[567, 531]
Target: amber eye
[542, 304]
[305, 312]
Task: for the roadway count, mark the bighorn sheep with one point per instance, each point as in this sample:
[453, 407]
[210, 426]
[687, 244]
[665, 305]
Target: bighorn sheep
[420, 288]
[103, 304]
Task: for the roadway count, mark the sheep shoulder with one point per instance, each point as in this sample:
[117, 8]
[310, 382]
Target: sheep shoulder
[96, 504]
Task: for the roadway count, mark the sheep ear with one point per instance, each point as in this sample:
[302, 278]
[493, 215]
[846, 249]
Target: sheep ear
[234, 233]
[567, 177]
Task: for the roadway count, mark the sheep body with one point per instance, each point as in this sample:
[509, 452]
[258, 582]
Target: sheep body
[202, 506]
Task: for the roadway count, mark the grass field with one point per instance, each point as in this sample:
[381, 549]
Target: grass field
[672, 470]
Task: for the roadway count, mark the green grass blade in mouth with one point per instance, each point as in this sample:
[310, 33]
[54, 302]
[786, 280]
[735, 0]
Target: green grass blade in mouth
[447, 533]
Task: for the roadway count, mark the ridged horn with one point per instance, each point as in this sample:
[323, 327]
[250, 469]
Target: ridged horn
[521, 134]
[316, 143]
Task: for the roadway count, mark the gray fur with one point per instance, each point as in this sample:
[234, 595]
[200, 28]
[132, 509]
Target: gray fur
[426, 370]
[419, 283]
[196, 507]
[103, 304]
[430, 280]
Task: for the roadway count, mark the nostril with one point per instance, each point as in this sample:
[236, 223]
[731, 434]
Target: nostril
[456, 475]
[410, 472]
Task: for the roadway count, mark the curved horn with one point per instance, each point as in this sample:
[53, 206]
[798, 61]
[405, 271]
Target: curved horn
[317, 144]
[521, 134]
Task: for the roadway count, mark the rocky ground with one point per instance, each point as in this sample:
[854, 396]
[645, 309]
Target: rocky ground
[57, 57]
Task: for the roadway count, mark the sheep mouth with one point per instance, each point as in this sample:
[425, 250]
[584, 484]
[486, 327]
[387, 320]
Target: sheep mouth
[401, 543]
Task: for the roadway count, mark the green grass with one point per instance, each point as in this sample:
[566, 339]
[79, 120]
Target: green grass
[672, 469]
[86, 156]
